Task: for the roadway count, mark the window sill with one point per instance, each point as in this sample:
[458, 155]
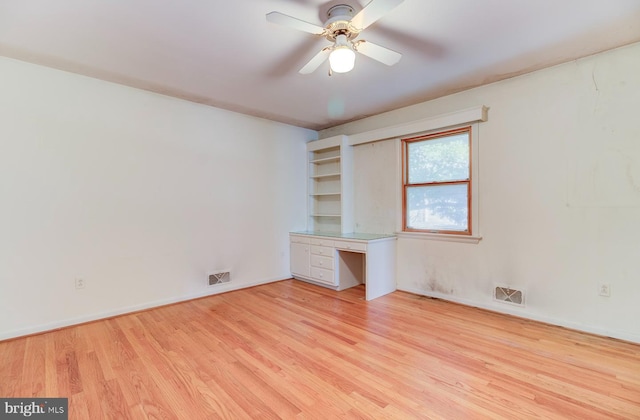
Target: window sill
[440, 237]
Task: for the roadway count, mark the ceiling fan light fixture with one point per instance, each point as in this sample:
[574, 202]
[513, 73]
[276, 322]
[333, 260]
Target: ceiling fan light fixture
[342, 57]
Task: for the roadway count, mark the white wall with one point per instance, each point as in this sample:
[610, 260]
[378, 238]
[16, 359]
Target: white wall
[559, 196]
[139, 194]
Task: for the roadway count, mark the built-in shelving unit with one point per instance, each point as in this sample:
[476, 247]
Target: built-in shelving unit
[330, 187]
[330, 253]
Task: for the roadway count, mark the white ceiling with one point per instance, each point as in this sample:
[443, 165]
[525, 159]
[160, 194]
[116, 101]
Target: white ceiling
[227, 55]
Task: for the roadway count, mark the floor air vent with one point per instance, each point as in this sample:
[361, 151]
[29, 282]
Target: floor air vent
[508, 295]
[219, 278]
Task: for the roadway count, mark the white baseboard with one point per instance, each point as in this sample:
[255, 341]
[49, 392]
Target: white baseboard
[209, 291]
[214, 290]
[523, 313]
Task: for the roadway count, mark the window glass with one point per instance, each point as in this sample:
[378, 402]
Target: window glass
[439, 159]
[442, 207]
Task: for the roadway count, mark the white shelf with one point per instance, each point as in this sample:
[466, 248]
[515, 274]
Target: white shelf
[326, 160]
[330, 191]
[333, 174]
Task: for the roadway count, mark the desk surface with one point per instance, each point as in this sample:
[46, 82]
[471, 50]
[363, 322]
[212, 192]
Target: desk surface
[353, 235]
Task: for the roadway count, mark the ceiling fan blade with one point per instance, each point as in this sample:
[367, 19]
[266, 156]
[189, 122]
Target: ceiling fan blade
[315, 62]
[372, 12]
[378, 53]
[294, 23]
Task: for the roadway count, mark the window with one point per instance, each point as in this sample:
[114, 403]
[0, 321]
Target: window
[437, 190]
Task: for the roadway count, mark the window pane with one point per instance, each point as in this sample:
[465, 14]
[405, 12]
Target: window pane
[439, 159]
[442, 207]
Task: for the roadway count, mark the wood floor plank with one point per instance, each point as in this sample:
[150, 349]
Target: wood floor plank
[293, 350]
[11, 362]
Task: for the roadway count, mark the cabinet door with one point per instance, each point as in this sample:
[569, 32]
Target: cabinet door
[300, 263]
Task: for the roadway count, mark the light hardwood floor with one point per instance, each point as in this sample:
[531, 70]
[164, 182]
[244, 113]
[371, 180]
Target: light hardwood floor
[293, 350]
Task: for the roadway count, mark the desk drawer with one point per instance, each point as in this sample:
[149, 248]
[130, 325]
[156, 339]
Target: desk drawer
[322, 275]
[325, 251]
[322, 262]
[299, 239]
[321, 242]
[351, 246]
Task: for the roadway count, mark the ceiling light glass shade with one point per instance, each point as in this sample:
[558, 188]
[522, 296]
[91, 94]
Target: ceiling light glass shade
[342, 59]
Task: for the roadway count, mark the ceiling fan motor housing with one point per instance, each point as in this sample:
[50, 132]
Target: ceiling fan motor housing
[339, 22]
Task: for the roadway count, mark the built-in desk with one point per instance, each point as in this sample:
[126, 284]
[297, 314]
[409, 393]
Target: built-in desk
[343, 260]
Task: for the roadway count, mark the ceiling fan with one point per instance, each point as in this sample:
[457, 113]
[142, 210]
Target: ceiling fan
[342, 28]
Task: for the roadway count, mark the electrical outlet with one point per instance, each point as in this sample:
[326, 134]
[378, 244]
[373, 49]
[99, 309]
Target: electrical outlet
[604, 289]
[79, 283]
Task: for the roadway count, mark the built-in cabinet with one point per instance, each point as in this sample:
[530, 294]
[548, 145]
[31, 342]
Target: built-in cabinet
[341, 261]
[313, 258]
[330, 169]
